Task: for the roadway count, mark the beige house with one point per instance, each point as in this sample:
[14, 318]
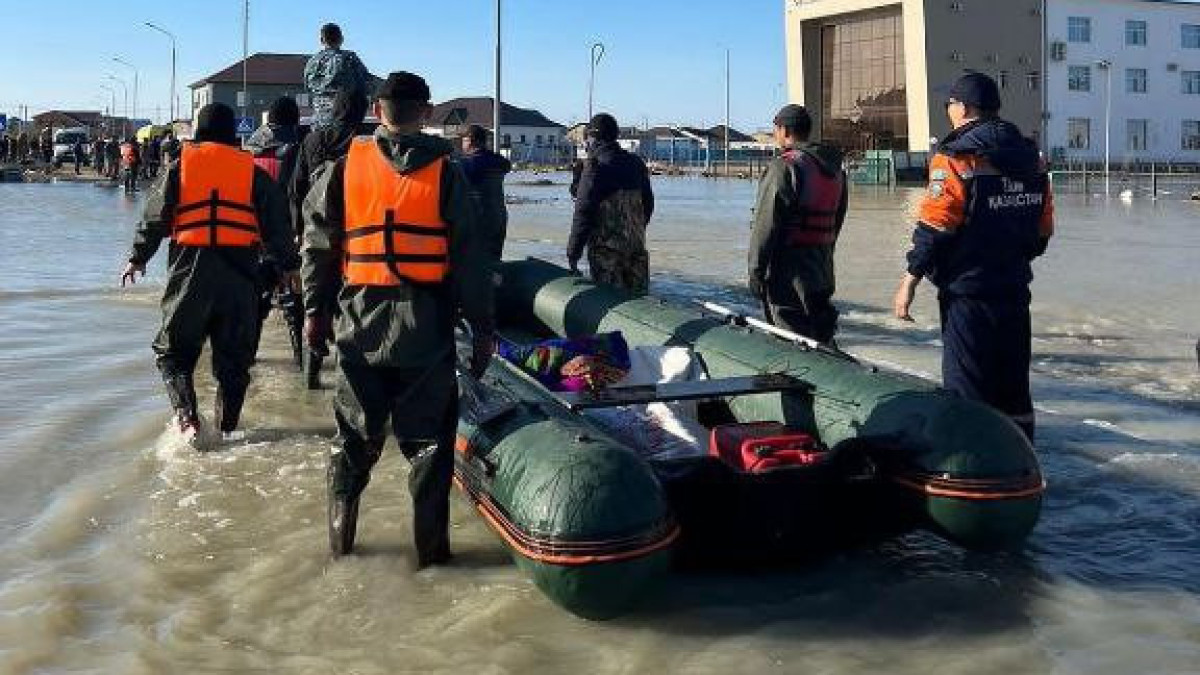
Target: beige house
[869, 70]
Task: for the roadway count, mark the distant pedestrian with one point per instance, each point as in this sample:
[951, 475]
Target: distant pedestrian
[131, 164]
[169, 149]
[98, 156]
[78, 154]
[4, 148]
[331, 70]
[112, 157]
[485, 172]
[613, 204]
[801, 206]
[987, 214]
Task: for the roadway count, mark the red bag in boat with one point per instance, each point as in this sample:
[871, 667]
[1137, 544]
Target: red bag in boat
[756, 447]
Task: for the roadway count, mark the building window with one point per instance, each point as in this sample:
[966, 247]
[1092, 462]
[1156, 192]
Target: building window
[1079, 133]
[522, 139]
[1079, 78]
[1002, 79]
[1191, 81]
[1191, 134]
[1191, 36]
[507, 141]
[1033, 80]
[1135, 33]
[537, 140]
[1135, 131]
[1079, 29]
[863, 92]
[1135, 80]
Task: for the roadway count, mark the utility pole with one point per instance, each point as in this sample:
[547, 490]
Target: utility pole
[597, 54]
[496, 101]
[132, 67]
[727, 112]
[245, 56]
[1106, 66]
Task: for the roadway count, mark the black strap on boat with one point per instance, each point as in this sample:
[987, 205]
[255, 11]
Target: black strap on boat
[613, 397]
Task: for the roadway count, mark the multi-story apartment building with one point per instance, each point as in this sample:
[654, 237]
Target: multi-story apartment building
[1128, 67]
[870, 71]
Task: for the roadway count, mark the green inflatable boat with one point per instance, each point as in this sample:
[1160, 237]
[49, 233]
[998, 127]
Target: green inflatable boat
[597, 525]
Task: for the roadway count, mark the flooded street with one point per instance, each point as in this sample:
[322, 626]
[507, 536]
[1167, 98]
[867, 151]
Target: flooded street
[123, 552]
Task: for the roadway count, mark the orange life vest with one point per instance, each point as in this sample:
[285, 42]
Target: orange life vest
[128, 155]
[394, 228]
[216, 197]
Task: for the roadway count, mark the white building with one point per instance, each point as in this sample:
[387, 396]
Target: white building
[526, 134]
[1150, 52]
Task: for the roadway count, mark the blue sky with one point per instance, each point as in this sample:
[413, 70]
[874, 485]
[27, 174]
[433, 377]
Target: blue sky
[664, 60]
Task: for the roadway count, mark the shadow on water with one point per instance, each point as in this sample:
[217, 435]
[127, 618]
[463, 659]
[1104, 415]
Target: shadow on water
[1119, 516]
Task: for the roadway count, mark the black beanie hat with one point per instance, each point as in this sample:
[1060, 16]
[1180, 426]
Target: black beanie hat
[604, 127]
[284, 111]
[216, 123]
[404, 86]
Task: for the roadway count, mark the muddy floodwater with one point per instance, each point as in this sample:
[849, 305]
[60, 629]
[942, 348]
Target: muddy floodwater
[121, 552]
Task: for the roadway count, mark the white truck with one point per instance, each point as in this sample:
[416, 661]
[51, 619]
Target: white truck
[64, 145]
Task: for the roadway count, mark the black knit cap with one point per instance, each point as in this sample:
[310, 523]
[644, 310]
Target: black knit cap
[404, 86]
[216, 123]
[603, 127]
[976, 90]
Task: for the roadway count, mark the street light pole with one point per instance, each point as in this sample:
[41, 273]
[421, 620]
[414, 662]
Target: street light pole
[112, 110]
[171, 104]
[597, 54]
[1106, 66]
[496, 101]
[135, 82]
[245, 56]
[727, 84]
[124, 89]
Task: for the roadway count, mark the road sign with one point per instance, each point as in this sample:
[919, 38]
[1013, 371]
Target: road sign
[3, 123]
[245, 126]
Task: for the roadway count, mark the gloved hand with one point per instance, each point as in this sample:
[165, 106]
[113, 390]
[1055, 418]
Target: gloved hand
[131, 271]
[573, 263]
[482, 348]
[318, 329]
[758, 287]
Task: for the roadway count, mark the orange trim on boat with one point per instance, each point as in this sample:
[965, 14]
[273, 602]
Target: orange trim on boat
[534, 549]
[982, 489]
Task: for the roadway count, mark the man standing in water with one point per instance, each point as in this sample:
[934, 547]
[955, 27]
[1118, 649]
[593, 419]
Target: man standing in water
[613, 205]
[390, 230]
[217, 209]
[801, 206]
[486, 170]
[987, 214]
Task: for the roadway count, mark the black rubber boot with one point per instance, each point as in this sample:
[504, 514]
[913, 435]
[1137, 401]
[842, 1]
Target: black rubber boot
[228, 411]
[312, 369]
[343, 506]
[429, 483]
[182, 393]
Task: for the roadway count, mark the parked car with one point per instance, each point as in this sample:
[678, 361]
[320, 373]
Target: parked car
[64, 146]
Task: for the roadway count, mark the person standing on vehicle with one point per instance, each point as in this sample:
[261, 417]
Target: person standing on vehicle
[218, 210]
[327, 144]
[801, 206]
[391, 230]
[613, 205]
[331, 70]
[485, 170]
[988, 213]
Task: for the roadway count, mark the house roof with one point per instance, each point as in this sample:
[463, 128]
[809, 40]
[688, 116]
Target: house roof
[735, 136]
[82, 118]
[478, 110]
[262, 68]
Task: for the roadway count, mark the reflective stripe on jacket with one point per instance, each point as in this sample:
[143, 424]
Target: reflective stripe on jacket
[814, 221]
[216, 197]
[394, 229]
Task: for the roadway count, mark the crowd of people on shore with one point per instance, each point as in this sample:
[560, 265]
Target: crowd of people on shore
[392, 237]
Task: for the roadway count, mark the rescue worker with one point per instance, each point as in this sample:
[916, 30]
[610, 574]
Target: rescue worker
[485, 171]
[801, 206]
[275, 146]
[392, 230]
[327, 144]
[98, 156]
[78, 154]
[613, 205]
[217, 209]
[331, 70]
[987, 214]
[131, 164]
